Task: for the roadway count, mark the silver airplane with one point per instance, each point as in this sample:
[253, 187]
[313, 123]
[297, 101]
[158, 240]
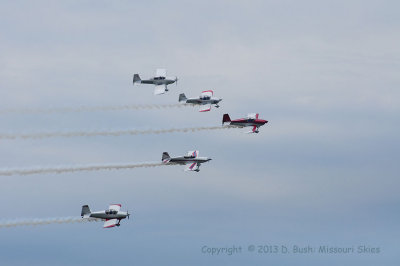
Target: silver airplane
[205, 100]
[160, 81]
[192, 159]
[112, 216]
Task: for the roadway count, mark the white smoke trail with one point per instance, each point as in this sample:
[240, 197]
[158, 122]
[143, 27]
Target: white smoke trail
[69, 169]
[108, 132]
[57, 220]
[93, 108]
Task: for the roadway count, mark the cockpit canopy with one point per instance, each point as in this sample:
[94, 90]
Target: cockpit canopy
[111, 211]
[159, 78]
[252, 116]
[205, 97]
[191, 154]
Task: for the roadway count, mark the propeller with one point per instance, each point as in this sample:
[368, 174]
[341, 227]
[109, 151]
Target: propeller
[127, 214]
[176, 81]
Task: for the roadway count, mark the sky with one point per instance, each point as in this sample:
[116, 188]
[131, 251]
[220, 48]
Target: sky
[322, 172]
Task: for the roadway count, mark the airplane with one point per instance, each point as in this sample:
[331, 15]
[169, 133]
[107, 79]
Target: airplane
[112, 216]
[250, 121]
[205, 100]
[192, 159]
[160, 81]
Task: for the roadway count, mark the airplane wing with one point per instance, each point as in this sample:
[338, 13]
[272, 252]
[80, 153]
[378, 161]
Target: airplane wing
[116, 207]
[161, 72]
[160, 89]
[208, 93]
[252, 116]
[110, 223]
[254, 130]
[192, 167]
[195, 153]
[205, 108]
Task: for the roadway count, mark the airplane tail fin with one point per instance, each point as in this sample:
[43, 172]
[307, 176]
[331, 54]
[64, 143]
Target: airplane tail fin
[182, 97]
[136, 79]
[85, 210]
[226, 118]
[165, 157]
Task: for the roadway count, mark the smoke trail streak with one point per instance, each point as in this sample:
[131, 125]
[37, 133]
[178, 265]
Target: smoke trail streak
[57, 220]
[108, 132]
[93, 108]
[69, 169]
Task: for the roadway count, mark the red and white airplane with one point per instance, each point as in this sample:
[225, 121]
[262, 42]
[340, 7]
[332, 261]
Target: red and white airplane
[191, 159]
[250, 121]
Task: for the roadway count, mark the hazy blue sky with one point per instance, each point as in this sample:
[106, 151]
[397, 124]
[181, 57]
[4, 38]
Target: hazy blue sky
[324, 171]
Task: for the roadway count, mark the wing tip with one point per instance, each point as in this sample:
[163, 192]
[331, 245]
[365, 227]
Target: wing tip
[212, 92]
[109, 226]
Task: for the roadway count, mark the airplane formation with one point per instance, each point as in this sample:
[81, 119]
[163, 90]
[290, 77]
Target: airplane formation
[192, 161]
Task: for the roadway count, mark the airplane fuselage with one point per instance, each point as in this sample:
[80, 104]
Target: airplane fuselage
[248, 122]
[203, 101]
[187, 160]
[158, 81]
[103, 215]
